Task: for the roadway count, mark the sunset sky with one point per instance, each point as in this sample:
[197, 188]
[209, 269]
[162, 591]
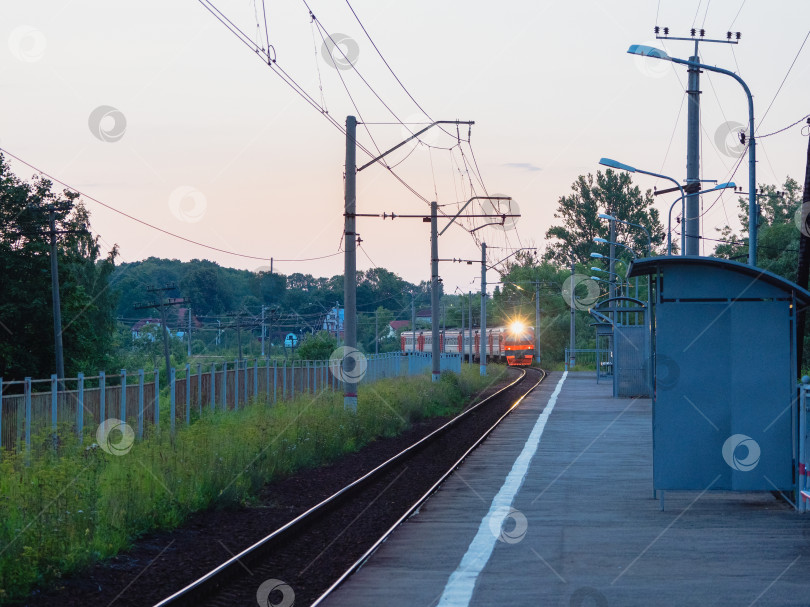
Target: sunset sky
[198, 135]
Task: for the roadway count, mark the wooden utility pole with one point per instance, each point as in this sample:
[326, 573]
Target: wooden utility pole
[161, 306]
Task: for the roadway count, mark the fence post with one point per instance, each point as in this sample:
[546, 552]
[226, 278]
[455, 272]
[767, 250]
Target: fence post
[123, 417]
[246, 381]
[54, 394]
[80, 407]
[27, 413]
[157, 399]
[172, 384]
[801, 501]
[102, 396]
[255, 378]
[140, 404]
[292, 391]
[267, 383]
[284, 382]
[224, 386]
[199, 387]
[275, 380]
[236, 385]
[213, 386]
[188, 394]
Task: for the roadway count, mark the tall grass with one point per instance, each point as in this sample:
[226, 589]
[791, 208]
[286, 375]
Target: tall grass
[66, 505]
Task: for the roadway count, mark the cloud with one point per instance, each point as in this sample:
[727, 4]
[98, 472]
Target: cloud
[524, 166]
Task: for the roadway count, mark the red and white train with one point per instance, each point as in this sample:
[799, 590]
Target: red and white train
[514, 343]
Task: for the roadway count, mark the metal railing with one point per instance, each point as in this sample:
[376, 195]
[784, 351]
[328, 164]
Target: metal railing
[586, 357]
[802, 488]
[31, 406]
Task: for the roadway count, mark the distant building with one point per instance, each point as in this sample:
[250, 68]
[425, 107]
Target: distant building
[140, 328]
[334, 321]
[396, 325]
[177, 317]
[424, 315]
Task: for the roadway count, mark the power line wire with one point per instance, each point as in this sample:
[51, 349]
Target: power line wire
[149, 225]
[761, 120]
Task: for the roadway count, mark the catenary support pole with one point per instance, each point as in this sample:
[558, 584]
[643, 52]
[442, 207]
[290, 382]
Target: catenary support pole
[462, 329]
[803, 272]
[572, 359]
[483, 330]
[537, 320]
[350, 266]
[434, 293]
[472, 345]
[413, 321]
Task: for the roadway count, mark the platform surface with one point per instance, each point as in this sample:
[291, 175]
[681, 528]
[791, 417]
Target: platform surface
[587, 530]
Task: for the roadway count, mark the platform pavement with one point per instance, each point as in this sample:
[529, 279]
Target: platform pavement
[594, 534]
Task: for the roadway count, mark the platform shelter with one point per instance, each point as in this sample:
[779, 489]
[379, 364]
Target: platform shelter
[725, 410]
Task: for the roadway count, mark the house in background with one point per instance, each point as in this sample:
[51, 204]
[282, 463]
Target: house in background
[176, 317]
[424, 315]
[396, 325]
[334, 322]
[138, 329]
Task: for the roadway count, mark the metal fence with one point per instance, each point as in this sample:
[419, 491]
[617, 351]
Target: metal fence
[586, 357]
[31, 406]
[802, 485]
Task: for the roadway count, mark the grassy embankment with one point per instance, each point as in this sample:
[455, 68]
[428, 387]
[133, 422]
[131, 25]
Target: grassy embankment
[62, 509]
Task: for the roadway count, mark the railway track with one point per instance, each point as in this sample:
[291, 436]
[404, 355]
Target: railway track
[310, 556]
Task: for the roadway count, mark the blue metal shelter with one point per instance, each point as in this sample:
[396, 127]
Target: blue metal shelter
[725, 412]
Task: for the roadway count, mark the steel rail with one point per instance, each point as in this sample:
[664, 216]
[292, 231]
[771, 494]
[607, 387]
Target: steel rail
[418, 503]
[204, 586]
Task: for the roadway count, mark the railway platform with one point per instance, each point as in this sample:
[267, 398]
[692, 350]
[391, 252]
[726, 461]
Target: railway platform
[556, 508]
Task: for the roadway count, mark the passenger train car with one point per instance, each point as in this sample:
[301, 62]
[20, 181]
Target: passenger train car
[514, 343]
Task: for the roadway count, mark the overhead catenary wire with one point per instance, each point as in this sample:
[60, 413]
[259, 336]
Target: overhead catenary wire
[271, 62]
[776, 94]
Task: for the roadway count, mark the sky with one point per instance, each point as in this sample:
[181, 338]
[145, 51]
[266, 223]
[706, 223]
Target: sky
[156, 109]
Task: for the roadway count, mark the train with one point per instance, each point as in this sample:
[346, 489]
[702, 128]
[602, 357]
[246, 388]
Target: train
[513, 344]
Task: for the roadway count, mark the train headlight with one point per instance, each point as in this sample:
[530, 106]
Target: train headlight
[517, 327]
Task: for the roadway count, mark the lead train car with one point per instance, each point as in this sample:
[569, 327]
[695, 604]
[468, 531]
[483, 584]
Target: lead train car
[502, 344]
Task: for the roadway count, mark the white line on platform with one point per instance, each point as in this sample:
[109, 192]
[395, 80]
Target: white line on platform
[459, 589]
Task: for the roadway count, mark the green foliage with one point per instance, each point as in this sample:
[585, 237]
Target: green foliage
[63, 509]
[610, 192]
[317, 346]
[778, 234]
[26, 310]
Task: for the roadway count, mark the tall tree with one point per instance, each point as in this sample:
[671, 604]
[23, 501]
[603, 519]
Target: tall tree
[26, 310]
[610, 192]
[778, 236]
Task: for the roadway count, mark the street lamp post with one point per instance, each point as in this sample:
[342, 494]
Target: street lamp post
[720, 186]
[648, 51]
[608, 162]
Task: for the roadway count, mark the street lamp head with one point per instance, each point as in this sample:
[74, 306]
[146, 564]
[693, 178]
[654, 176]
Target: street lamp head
[600, 240]
[595, 269]
[614, 164]
[597, 255]
[723, 186]
[606, 216]
[648, 51]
